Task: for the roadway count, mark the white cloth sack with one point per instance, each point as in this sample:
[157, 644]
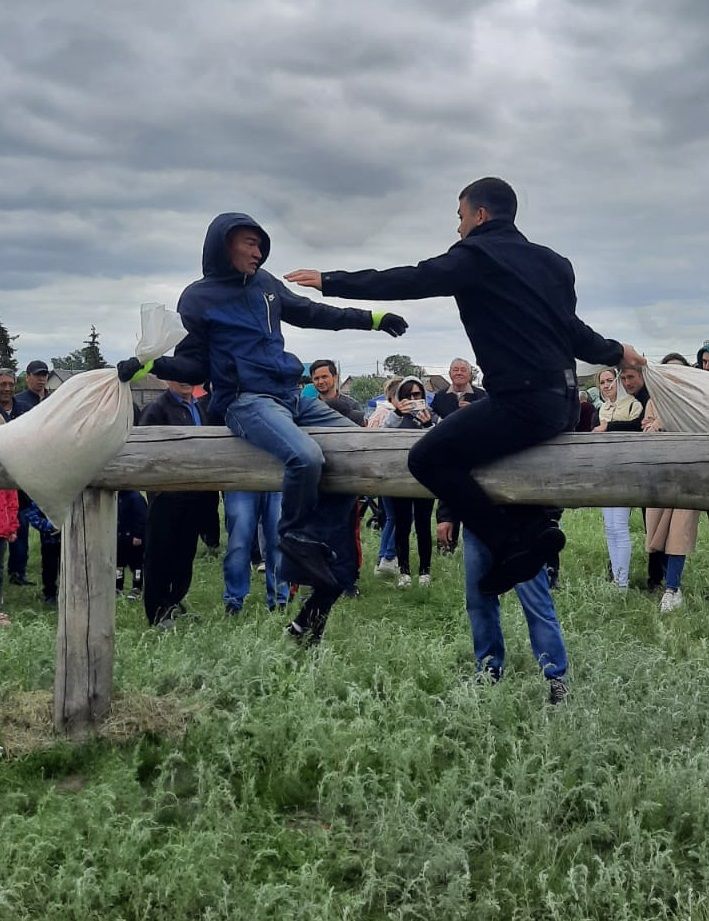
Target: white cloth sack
[55, 450]
[680, 395]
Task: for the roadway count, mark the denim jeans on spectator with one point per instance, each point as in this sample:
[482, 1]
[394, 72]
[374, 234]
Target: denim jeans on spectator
[387, 546]
[19, 548]
[276, 426]
[545, 633]
[675, 567]
[243, 511]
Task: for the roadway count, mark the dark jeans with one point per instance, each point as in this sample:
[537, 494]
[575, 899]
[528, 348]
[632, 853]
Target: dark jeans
[483, 432]
[171, 536]
[51, 554]
[421, 511]
[131, 556]
[19, 548]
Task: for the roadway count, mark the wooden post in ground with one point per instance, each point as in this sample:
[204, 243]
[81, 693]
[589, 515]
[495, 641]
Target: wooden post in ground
[87, 608]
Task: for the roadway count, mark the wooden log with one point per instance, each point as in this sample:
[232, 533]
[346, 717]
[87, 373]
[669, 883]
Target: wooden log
[87, 606]
[660, 470]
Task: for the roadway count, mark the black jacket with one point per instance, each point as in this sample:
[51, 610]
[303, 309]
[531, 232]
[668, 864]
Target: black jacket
[445, 403]
[167, 411]
[27, 400]
[516, 300]
[132, 514]
[234, 324]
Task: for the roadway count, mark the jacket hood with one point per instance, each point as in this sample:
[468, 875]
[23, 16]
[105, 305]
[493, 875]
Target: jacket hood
[215, 259]
[410, 379]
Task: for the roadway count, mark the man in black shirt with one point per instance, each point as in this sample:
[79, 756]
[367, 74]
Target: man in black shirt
[518, 305]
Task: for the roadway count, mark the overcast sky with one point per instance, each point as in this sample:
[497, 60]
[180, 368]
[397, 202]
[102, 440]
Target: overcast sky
[347, 129]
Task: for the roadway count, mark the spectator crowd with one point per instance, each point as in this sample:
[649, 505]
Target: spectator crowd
[158, 534]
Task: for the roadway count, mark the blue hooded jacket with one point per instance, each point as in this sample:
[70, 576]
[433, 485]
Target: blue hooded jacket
[233, 323]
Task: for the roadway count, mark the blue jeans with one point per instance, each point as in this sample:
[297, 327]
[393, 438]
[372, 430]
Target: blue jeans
[387, 547]
[19, 548]
[243, 511]
[673, 575]
[484, 612]
[276, 426]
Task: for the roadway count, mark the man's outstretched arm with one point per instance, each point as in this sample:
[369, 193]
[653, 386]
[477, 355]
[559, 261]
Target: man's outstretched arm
[301, 311]
[441, 276]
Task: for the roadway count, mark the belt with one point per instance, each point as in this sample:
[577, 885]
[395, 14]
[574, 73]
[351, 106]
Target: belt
[550, 381]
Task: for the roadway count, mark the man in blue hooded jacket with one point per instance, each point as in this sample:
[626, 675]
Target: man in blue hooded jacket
[233, 318]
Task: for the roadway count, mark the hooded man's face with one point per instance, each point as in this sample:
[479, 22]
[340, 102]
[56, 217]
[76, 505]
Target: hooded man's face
[705, 361]
[244, 248]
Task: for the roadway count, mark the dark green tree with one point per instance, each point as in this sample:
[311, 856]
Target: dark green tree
[7, 349]
[366, 388]
[87, 359]
[93, 358]
[74, 361]
[402, 366]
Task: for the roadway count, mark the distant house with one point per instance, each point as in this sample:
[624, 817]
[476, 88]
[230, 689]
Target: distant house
[144, 391]
[147, 389]
[57, 377]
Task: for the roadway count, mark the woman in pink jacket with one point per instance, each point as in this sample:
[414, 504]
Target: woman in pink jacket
[8, 531]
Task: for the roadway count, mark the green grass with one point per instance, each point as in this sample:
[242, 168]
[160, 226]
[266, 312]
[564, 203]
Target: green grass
[370, 779]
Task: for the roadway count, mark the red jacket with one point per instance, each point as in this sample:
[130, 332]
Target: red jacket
[8, 513]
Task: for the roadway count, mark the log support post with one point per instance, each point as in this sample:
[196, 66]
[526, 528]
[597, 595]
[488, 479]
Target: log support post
[87, 608]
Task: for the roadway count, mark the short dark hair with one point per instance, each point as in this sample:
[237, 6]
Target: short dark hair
[495, 195]
[408, 385]
[675, 356]
[323, 363]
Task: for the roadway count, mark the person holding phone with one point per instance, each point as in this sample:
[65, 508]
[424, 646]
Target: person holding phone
[411, 412]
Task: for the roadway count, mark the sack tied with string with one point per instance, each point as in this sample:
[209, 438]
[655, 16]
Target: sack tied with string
[55, 450]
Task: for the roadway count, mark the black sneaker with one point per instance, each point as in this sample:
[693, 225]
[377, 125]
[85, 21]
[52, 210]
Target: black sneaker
[301, 637]
[558, 691]
[231, 610]
[15, 578]
[312, 558]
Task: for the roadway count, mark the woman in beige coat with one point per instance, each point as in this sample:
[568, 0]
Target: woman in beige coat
[671, 530]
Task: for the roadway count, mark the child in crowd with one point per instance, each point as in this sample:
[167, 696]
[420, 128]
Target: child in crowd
[9, 523]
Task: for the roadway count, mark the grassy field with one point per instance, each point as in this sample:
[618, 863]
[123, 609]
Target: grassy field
[370, 779]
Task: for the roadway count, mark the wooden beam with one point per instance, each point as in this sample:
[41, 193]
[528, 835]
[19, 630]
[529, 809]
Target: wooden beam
[87, 607]
[659, 470]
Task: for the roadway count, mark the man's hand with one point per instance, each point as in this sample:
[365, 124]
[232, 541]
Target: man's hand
[126, 369]
[631, 358]
[132, 370]
[444, 533]
[389, 323]
[306, 278]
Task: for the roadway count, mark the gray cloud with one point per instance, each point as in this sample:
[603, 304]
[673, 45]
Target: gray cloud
[349, 130]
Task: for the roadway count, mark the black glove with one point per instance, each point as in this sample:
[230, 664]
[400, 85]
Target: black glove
[126, 369]
[393, 324]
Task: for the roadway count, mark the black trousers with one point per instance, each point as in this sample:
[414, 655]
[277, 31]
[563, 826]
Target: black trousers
[485, 431]
[420, 511]
[51, 552]
[127, 554]
[171, 536]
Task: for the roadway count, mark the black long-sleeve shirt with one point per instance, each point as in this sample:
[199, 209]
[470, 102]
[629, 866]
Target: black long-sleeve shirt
[516, 299]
